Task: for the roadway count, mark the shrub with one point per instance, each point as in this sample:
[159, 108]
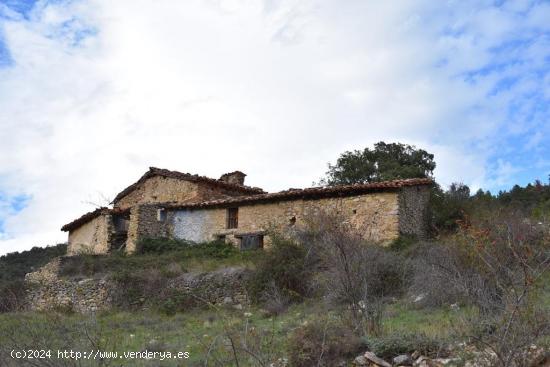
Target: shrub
[284, 266]
[404, 243]
[498, 266]
[177, 301]
[12, 295]
[138, 286]
[213, 249]
[160, 245]
[354, 273]
[323, 342]
[275, 301]
[431, 281]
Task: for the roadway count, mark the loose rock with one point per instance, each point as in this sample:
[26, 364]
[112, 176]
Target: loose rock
[402, 360]
[376, 360]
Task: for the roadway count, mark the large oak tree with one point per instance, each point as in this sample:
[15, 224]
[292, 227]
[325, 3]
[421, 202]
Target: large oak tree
[387, 161]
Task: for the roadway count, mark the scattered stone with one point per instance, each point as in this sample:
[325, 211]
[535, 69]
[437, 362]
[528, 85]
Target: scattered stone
[446, 361]
[419, 298]
[360, 361]
[281, 362]
[376, 360]
[402, 360]
[421, 361]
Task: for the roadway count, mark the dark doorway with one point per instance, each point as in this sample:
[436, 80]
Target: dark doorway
[252, 242]
[121, 222]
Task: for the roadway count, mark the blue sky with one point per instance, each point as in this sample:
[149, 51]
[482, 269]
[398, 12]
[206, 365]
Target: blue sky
[10, 205]
[94, 92]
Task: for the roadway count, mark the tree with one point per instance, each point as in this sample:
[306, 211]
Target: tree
[449, 207]
[385, 162]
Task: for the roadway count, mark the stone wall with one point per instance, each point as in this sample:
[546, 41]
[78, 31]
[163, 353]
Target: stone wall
[92, 237]
[144, 223]
[375, 214]
[160, 189]
[46, 291]
[224, 286]
[413, 211]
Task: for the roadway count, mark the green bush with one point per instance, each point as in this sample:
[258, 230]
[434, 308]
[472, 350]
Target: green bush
[394, 344]
[284, 266]
[177, 301]
[161, 245]
[168, 307]
[323, 342]
[12, 295]
[213, 249]
[403, 243]
[138, 286]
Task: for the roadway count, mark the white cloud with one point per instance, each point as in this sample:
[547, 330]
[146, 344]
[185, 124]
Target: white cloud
[274, 88]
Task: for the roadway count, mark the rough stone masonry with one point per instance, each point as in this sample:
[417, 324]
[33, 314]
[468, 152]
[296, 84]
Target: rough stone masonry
[171, 204]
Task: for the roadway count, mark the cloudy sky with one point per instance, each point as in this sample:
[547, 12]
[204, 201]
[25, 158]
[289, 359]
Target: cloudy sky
[94, 92]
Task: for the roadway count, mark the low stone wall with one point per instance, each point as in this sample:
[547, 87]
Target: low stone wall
[45, 290]
[84, 296]
[220, 287]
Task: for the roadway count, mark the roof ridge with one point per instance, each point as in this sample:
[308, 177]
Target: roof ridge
[155, 171]
[309, 191]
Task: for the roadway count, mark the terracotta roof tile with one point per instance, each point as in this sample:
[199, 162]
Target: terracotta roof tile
[313, 192]
[89, 216]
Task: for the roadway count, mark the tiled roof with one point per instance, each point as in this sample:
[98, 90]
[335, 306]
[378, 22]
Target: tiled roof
[89, 216]
[309, 193]
[153, 171]
[292, 194]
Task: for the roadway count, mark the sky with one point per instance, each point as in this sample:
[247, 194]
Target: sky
[92, 93]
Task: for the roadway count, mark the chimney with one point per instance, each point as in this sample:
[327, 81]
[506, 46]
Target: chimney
[236, 178]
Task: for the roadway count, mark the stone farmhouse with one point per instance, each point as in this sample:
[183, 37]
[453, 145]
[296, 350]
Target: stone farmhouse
[171, 204]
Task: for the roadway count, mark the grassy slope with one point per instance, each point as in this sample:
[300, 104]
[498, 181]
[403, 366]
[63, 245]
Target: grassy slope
[193, 331]
[196, 331]
[202, 257]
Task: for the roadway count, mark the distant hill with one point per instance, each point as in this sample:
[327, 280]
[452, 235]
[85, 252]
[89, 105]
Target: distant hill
[15, 265]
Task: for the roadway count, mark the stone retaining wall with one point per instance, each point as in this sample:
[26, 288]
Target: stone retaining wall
[220, 287]
[45, 290]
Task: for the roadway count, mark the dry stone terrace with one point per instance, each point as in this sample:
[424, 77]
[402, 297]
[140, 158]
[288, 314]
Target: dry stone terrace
[172, 204]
